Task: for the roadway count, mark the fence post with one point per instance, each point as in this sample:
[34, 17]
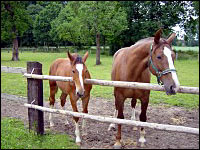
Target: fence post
[35, 96]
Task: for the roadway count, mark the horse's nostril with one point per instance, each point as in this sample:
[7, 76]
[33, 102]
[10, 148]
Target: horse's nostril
[79, 95]
[172, 91]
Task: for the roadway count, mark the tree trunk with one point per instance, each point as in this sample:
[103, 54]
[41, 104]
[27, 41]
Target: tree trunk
[15, 54]
[98, 49]
[47, 47]
[104, 44]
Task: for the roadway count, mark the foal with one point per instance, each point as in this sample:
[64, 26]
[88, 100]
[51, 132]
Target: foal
[73, 66]
[135, 64]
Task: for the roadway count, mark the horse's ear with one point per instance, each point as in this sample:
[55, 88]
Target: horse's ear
[85, 57]
[71, 57]
[170, 39]
[157, 36]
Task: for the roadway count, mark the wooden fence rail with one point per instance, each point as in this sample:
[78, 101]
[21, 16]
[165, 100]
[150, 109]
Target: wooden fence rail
[118, 121]
[134, 85]
[13, 69]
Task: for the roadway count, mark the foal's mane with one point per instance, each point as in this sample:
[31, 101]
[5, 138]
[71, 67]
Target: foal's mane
[78, 60]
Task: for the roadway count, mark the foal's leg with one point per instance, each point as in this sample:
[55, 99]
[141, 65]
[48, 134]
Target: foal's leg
[133, 104]
[63, 97]
[73, 100]
[143, 117]
[119, 104]
[53, 90]
[112, 125]
[85, 102]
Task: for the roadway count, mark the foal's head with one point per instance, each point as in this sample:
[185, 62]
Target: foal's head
[79, 71]
[162, 62]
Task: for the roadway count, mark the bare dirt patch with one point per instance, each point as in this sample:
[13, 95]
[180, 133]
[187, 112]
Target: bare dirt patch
[98, 135]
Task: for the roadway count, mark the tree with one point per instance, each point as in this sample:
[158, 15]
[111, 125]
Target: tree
[103, 18]
[14, 22]
[42, 26]
[79, 22]
[190, 21]
[28, 38]
[165, 14]
[67, 25]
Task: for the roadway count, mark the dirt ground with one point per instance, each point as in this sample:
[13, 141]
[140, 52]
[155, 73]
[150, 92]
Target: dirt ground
[98, 135]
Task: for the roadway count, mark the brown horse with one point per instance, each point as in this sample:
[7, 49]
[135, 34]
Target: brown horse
[135, 64]
[73, 66]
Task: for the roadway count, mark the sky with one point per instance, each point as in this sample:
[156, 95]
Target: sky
[179, 32]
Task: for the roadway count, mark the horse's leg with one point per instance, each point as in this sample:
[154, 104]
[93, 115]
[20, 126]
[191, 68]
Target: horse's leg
[53, 89]
[85, 102]
[63, 97]
[143, 117]
[133, 104]
[112, 125]
[119, 104]
[73, 100]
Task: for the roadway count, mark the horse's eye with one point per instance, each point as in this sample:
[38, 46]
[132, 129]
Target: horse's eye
[86, 70]
[159, 57]
[73, 71]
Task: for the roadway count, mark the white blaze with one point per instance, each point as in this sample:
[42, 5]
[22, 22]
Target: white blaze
[79, 67]
[167, 52]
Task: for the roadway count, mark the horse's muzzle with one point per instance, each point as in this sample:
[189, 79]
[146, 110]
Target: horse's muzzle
[80, 94]
[170, 90]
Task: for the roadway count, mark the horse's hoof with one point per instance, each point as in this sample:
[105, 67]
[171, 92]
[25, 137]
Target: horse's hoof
[111, 127]
[84, 133]
[117, 146]
[78, 143]
[142, 142]
[142, 145]
[135, 128]
[66, 123]
[52, 125]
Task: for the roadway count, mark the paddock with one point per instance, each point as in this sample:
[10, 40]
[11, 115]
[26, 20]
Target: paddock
[192, 90]
[98, 136]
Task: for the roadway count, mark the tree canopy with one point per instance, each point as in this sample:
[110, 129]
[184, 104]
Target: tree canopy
[42, 22]
[14, 19]
[14, 22]
[116, 24]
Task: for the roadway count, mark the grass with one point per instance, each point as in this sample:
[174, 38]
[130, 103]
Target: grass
[185, 48]
[188, 74]
[15, 136]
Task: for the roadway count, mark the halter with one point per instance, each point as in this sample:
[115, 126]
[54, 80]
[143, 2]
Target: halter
[159, 73]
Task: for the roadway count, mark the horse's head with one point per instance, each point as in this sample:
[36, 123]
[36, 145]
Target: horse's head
[162, 62]
[79, 72]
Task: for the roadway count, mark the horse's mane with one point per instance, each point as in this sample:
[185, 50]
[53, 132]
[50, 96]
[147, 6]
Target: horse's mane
[144, 40]
[78, 60]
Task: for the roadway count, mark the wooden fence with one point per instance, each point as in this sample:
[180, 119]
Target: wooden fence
[13, 69]
[118, 121]
[123, 84]
[35, 100]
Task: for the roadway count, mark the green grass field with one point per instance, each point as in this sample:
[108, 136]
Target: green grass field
[188, 74]
[184, 48]
[15, 136]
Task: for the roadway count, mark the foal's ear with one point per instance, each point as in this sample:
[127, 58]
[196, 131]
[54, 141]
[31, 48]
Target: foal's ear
[172, 36]
[157, 36]
[71, 57]
[85, 57]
